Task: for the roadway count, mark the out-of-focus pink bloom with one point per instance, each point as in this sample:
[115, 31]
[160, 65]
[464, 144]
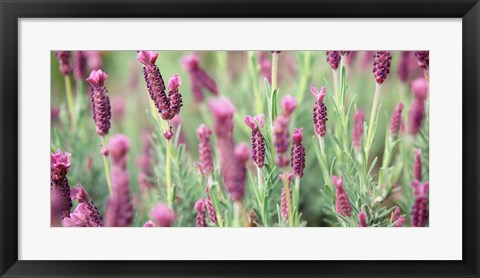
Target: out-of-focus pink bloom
[319, 111]
[342, 201]
[200, 208]
[420, 88]
[333, 59]
[420, 205]
[281, 136]
[144, 162]
[205, 149]
[89, 163]
[94, 60]
[298, 153]
[199, 78]
[162, 215]
[54, 113]
[100, 101]
[416, 116]
[357, 131]
[222, 110]
[367, 59]
[118, 107]
[258, 142]
[79, 63]
[265, 66]
[396, 120]
[400, 221]
[119, 146]
[417, 165]
[64, 60]
[403, 68]
[59, 165]
[289, 104]
[119, 212]
[149, 224]
[362, 219]
[381, 65]
[351, 57]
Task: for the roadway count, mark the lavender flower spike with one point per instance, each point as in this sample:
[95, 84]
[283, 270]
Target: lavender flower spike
[342, 202]
[420, 88]
[396, 120]
[200, 208]
[362, 219]
[199, 78]
[357, 131]
[174, 96]
[420, 205]
[119, 211]
[148, 224]
[100, 101]
[80, 194]
[64, 59]
[222, 110]
[59, 165]
[281, 140]
[333, 59]
[381, 65]
[162, 215]
[319, 112]
[80, 217]
[289, 104]
[211, 210]
[298, 153]
[79, 64]
[283, 202]
[155, 83]
[205, 149]
[417, 165]
[423, 58]
[416, 116]
[237, 177]
[258, 142]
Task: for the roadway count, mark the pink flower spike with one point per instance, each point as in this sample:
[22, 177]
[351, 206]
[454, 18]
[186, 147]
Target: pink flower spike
[119, 146]
[97, 78]
[396, 120]
[357, 132]
[242, 153]
[362, 219]
[342, 202]
[147, 58]
[190, 62]
[420, 88]
[163, 215]
[174, 82]
[417, 165]
[79, 193]
[289, 104]
[260, 118]
[249, 120]
[319, 96]
[297, 136]
[148, 224]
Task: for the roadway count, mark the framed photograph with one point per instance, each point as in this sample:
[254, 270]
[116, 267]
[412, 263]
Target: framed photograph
[220, 138]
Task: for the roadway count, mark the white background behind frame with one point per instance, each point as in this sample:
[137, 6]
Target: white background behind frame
[441, 241]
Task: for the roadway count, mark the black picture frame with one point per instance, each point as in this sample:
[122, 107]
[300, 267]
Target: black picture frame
[11, 11]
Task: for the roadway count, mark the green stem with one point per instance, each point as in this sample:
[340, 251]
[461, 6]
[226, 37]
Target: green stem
[107, 168]
[274, 70]
[169, 176]
[373, 114]
[68, 89]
